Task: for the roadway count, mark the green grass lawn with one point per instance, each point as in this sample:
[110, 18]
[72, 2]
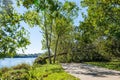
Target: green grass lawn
[109, 65]
[51, 72]
[36, 72]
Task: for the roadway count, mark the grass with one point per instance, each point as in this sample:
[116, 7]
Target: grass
[36, 72]
[109, 65]
[51, 72]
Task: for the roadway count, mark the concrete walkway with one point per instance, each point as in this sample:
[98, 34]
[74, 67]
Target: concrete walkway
[89, 72]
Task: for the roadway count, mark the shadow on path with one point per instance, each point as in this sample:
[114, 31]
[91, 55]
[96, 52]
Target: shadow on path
[89, 70]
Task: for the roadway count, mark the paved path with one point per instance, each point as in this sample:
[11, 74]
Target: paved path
[89, 72]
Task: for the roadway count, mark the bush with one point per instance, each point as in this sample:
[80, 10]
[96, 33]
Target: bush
[82, 57]
[4, 69]
[16, 75]
[40, 60]
[64, 58]
[19, 72]
[22, 66]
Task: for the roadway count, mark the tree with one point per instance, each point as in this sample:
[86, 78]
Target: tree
[62, 25]
[45, 9]
[12, 34]
[51, 14]
[101, 24]
[48, 7]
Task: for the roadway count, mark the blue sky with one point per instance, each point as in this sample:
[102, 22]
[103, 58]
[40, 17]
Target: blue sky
[36, 36]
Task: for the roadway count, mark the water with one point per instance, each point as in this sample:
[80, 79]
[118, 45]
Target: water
[9, 62]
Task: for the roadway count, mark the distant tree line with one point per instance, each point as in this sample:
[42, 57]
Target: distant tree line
[27, 55]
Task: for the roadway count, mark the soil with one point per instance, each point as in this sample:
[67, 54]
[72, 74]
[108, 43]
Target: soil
[90, 72]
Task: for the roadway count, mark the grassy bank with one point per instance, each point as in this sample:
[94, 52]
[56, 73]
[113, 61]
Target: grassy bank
[109, 65]
[36, 72]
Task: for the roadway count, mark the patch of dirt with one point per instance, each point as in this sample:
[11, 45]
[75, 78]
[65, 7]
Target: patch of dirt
[90, 72]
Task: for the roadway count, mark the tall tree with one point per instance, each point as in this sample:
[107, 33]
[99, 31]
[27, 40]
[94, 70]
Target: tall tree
[102, 22]
[45, 9]
[62, 23]
[52, 12]
[12, 35]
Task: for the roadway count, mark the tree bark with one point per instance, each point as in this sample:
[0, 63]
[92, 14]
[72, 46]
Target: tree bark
[47, 44]
[46, 35]
[56, 45]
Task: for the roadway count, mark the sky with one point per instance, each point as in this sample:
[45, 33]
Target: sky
[36, 36]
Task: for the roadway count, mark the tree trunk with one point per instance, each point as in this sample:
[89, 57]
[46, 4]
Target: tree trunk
[47, 45]
[56, 45]
[46, 35]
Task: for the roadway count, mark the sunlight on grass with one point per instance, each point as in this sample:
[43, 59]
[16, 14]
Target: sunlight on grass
[35, 72]
[51, 72]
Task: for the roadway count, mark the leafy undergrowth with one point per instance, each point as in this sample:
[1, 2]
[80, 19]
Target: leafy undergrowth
[109, 65]
[36, 72]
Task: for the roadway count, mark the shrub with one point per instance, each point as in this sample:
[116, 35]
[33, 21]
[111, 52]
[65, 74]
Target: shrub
[22, 66]
[40, 60]
[4, 69]
[16, 75]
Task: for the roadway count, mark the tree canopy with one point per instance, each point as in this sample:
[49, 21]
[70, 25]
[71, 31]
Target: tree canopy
[12, 35]
[94, 39]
